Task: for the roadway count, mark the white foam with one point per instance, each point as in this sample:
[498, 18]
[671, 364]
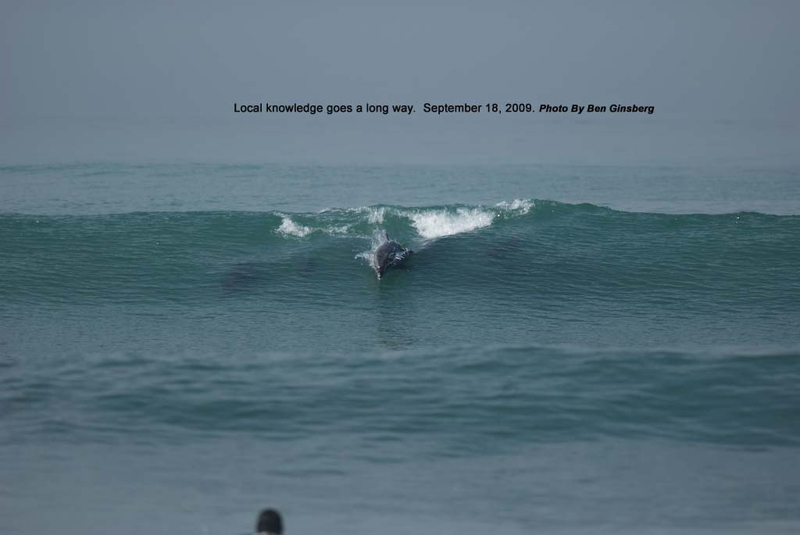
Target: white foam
[376, 215]
[521, 205]
[438, 223]
[290, 228]
[336, 230]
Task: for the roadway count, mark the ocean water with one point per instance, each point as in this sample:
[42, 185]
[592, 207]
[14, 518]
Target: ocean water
[572, 349]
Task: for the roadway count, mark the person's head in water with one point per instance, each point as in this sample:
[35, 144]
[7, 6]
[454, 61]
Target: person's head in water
[269, 521]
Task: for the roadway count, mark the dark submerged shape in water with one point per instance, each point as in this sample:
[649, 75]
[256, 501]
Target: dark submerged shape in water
[390, 254]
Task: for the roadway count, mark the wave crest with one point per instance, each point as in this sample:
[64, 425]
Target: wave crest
[290, 228]
[432, 224]
[517, 205]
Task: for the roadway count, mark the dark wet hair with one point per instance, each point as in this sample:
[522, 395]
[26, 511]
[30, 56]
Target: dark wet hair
[269, 521]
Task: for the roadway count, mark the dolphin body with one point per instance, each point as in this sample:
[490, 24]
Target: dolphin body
[390, 254]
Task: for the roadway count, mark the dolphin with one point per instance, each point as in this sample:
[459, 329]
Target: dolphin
[389, 254]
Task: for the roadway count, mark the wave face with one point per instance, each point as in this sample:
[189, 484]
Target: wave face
[522, 271]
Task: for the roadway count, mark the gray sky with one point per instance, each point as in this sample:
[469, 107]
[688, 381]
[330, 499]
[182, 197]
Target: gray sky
[141, 63]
